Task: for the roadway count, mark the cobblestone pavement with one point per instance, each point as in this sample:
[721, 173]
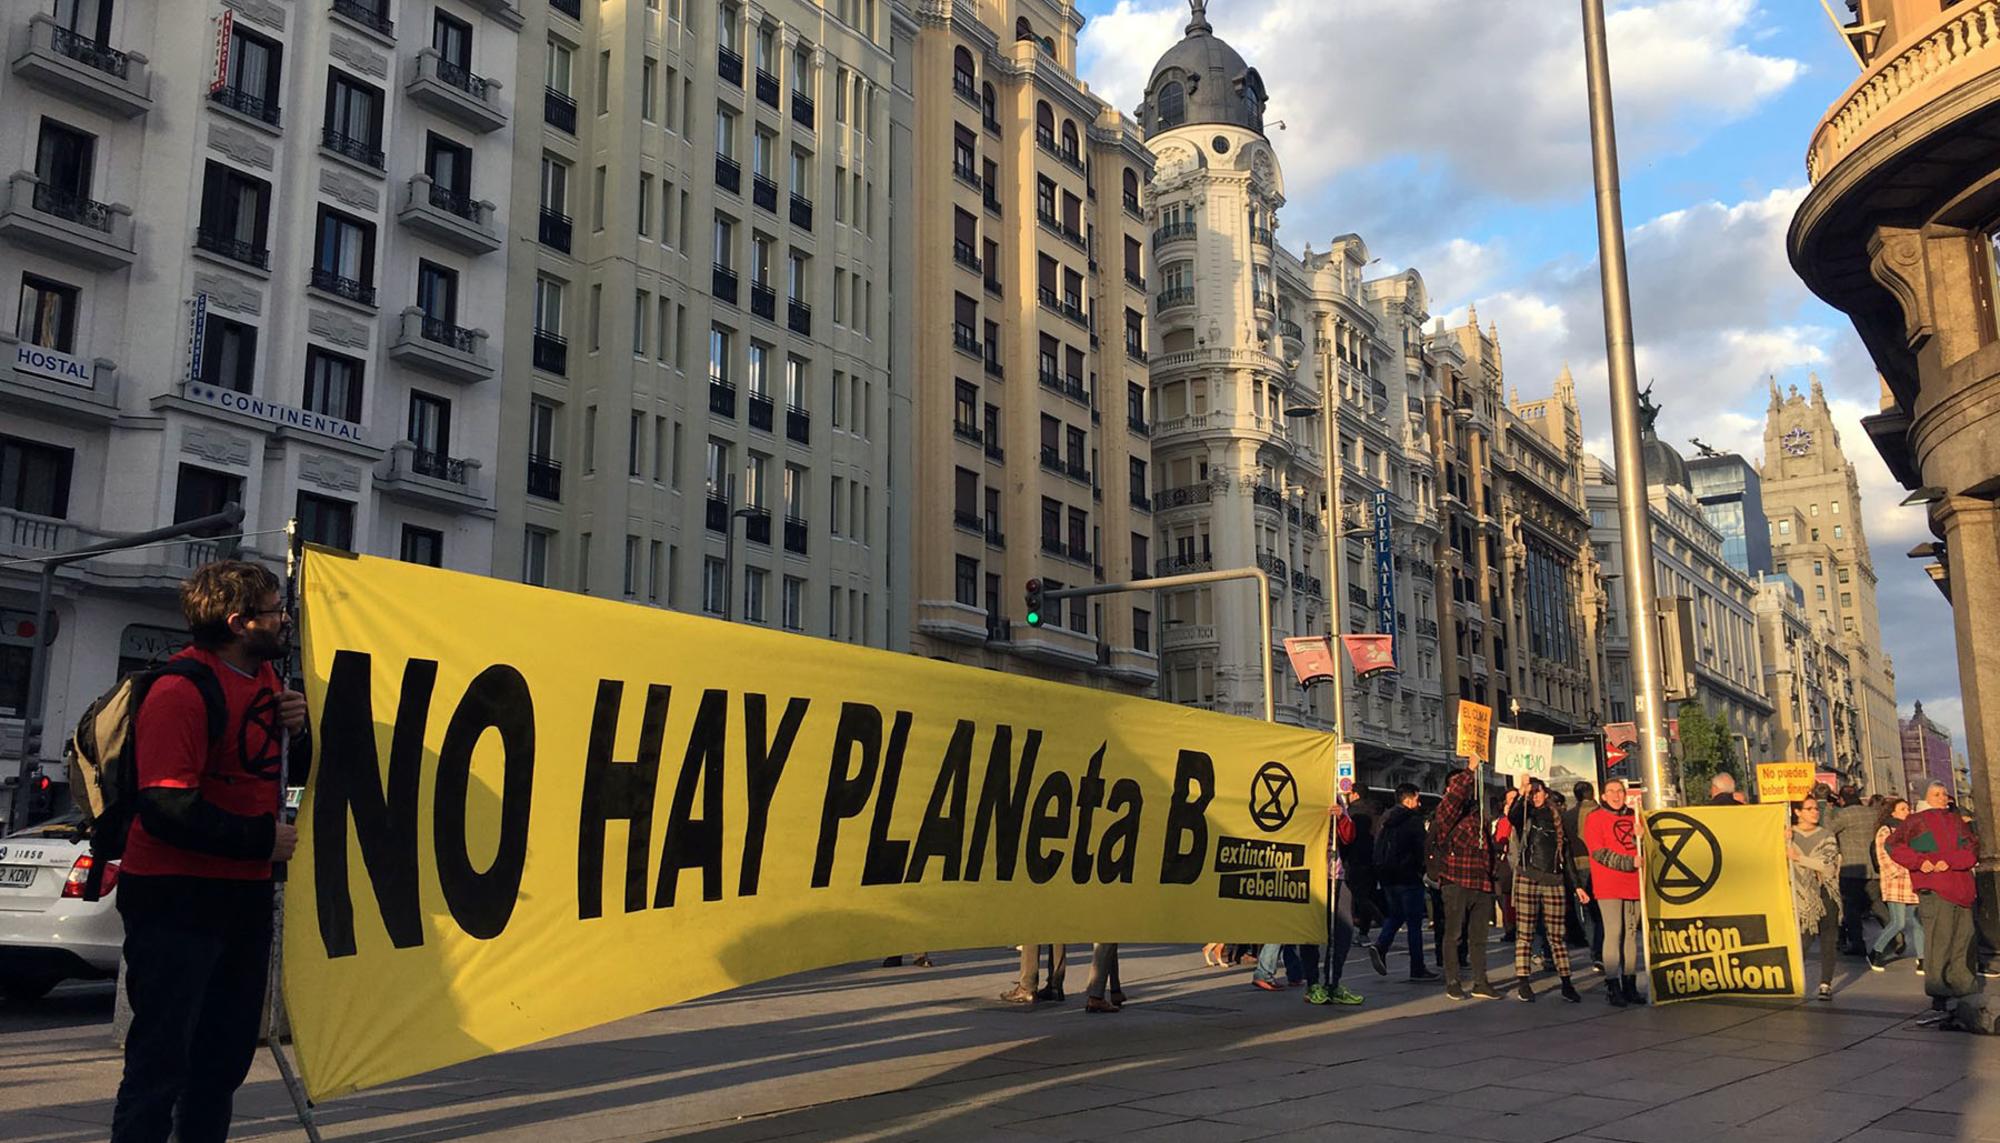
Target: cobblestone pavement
[864, 1052]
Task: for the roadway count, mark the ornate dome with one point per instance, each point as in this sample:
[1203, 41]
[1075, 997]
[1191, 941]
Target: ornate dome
[1202, 80]
[1664, 464]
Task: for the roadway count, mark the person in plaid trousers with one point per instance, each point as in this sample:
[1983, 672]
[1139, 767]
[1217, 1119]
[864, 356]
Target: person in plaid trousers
[1462, 865]
[1539, 853]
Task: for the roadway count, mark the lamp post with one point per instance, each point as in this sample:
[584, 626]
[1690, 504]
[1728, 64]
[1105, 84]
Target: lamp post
[1634, 511]
[1336, 540]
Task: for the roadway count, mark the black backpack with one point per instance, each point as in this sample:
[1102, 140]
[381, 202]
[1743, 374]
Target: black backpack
[103, 765]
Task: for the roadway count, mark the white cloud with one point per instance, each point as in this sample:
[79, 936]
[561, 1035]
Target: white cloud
[1434, 83]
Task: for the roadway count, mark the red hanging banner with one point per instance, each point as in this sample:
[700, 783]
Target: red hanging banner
[1371, 654]
[1312, 659]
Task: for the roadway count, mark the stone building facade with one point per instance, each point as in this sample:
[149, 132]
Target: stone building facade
[1030, 350]
[255, 248]
[1815, 701]
[1898, 230]
[1812, 501]
[722, 440]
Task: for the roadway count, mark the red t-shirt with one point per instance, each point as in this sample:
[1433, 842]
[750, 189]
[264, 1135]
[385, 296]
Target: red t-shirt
[238, 773]
[1616, 831]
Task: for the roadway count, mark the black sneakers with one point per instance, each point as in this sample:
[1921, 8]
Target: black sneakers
[1422, 974]
[1453, 991]
[1378, 961]
[1483, 992]
[1523, 992]
[1569, 992]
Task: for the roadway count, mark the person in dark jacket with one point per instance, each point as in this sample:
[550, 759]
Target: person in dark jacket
[1399, 870]
[1587, 922]
[1722, 790]
[1539, 853]
[1464, 870]
[1854, 825]
[1357, 862]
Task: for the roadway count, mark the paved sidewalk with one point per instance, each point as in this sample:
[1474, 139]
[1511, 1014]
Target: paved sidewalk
[872, 1053]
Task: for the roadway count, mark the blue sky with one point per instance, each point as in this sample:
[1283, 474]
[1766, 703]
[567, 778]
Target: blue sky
[1450, 134]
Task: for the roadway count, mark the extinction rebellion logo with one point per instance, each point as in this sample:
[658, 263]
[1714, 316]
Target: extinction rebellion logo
[1705, 955]
[1254, 869]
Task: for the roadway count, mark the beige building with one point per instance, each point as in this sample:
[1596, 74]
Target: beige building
[722, 438]
[1029, 356]
[1811, 685]
[1898, 231]
[1812, 500]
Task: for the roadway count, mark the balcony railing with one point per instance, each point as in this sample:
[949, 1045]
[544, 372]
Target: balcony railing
[1274, 564]
[763, 301]
[991, 198]
[970, 521]
[1075, 470]
[551, 352]
[1132, 205]
[993, 286]
[993, 366]
[767, 88]
[89, 52]
[1357, 595]
[729, 66]
[1135, 279]
[438, 466]
[556, 230]
[1142, 502]
[802, 110]
[965, 87]
[764, 193]
[965, 338]
[367, 14]
[1264, 299]
[571, 8]
[963, 170]
[1052, 458]
[799, 317]
[1176, 296]
[450, 336]
[1260, 236]
[255, 106]
[363, 151]
[1173, 232]
[559, 111]
[728, 174]
[715, 514]
[544, 478]
[963, 253]
[1182, 497]
[802, 212]
[1050, 377]
[761, 410]
[234, 249]
[723, 284]
[1306, 584]
[1182, 565]
[1265, 496]
[795, 535]
[1138, 426]
[994, 536]
[798, 425]
[341, 287]
[722, 397]
[1136, 350]
[1078, 552]
[757, 525]
[1290, 329]
[966, 431]
[994, 450]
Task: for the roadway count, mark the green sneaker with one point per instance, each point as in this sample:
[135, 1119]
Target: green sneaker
[1318, 994]
[1342, 995]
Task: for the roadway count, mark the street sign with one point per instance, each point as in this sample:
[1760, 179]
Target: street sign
[1343, 767]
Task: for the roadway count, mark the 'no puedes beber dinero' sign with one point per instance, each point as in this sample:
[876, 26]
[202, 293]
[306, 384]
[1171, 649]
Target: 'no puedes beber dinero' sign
[525, 803]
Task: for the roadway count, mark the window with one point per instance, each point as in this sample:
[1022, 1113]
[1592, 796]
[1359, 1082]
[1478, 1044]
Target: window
[251, 82]
[1840, 531]
[324, 520]
[555, 186]
[1784, 527]
[333, 384]
[235, 215]
[48, 314]
[634, 549]
[557, 76]
[635, 444]
[645, 206]
[34, 478]
[1142, 629]
[1045, 199]
[647, 75]
[430, 429]
[658, 566]
[718, 355]
[725, 134]
[437, 293]
[422, 546]
[583, 562]
[344, 256]
[202, 492]
[756, 583]
[228, 354]
[965, 584]
[548, 306]
[535, 557]
[1172, 104]
[449, 166]
[353, 125]
[793, 609]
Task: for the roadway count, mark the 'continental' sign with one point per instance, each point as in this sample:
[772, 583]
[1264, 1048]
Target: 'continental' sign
[534, 812]
[1718, 904]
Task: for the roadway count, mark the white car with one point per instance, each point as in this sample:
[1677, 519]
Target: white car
[48, 932]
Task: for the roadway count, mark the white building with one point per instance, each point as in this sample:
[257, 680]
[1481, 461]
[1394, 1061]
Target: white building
[254, 250]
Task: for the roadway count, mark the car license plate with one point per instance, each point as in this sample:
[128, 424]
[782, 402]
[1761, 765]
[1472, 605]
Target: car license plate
[16, 876]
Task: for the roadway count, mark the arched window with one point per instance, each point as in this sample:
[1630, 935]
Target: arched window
[988, 105]
[961, 70]
[1045, 124]
[1069, 146]
[1172, 104]
[1131, 189]
[1024, 30]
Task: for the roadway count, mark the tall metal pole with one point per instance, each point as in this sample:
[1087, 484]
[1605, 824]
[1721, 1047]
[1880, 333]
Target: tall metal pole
[1336, 542]
[1635, 517]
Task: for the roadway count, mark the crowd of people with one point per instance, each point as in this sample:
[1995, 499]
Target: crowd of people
[1560, 876]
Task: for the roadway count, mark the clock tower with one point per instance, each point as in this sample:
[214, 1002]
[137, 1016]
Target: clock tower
[1813, 502]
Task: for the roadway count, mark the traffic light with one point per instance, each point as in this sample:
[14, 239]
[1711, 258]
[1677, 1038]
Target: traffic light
[1034, 603]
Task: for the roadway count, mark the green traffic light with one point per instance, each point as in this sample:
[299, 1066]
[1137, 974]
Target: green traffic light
[1034, 619]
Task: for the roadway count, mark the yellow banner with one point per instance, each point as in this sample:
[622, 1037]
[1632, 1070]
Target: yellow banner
[1785, 781]
[1718, 904]
[534, 812]
[1475, 731]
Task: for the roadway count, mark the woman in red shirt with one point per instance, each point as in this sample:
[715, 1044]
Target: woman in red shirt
[1612, 837]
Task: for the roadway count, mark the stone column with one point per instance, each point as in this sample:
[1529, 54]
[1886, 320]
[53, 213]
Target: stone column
[1971, 531]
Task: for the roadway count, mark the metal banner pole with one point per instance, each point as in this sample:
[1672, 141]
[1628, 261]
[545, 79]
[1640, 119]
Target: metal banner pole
[275, 985]
[1635, 514]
